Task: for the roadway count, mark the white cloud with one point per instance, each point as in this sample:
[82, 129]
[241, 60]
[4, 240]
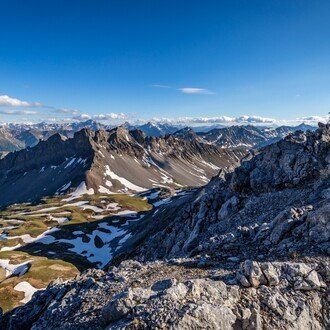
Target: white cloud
[6, 100]
[186, 90]
[83, 116]
[217, 120]
[18, 112]
[110, 116]
[67, 111]
[313, 119]
[107, 116]
[194, 90]
[254, 119]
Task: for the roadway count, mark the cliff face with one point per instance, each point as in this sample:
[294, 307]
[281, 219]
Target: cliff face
[250, 250]
[295, 159]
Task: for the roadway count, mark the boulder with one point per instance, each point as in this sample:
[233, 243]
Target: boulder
[252, 272]
[270, 273]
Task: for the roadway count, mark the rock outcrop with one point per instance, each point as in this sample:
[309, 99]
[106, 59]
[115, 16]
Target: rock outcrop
[159, 295]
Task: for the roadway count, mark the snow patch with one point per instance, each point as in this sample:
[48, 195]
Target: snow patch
[18, 270]
[28, 290]
[59, 220]
[70, 162]
[123, 181]
[10, 248]
[80, 190]
[104, 190]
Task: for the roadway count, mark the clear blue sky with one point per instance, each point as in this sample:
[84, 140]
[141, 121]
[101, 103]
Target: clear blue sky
[263, 58]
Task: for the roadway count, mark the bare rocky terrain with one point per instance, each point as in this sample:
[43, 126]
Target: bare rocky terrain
[104, 161]
[250, 250]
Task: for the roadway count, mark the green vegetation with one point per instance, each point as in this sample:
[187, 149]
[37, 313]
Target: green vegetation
[41, 272]
[52, 261]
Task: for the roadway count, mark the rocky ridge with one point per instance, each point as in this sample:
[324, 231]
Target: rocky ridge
[249, 136]
[117, 160]
[20, 136]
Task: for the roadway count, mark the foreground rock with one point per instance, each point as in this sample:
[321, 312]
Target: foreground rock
[159, 295]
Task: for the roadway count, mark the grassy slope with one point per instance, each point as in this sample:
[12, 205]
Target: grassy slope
[30, 219]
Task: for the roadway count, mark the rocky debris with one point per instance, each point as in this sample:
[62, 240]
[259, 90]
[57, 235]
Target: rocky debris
[299, 275]
[228, 207]
[297, 158]
[160, 295]
[304, 277]
[251, 274]
[274, 231]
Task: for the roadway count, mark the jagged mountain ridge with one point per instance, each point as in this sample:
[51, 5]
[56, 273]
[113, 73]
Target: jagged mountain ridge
[117, 160]
[19, 136]
[249, 136]
[155, 129]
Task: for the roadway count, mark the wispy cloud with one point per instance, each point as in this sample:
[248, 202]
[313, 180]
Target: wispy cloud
[67, 111]
[313, 119]
[186, 90]
[195, 90]
[18, 112]
[12, 102]
[107, 116]
[6, 100]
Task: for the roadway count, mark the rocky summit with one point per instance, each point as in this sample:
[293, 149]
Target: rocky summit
[250, 250]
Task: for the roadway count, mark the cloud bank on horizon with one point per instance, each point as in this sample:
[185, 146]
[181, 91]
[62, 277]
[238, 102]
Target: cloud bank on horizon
[64, 114]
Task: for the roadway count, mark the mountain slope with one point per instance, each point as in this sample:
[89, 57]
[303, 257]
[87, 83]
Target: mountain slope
[108, 161]
[293, 172]
[247, 251]
[8, 142]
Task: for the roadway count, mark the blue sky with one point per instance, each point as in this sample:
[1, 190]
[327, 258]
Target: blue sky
[138, 60]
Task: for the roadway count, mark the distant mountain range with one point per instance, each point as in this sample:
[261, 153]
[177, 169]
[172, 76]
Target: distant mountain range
[240, 136]
[18, 136]
[249, 136]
